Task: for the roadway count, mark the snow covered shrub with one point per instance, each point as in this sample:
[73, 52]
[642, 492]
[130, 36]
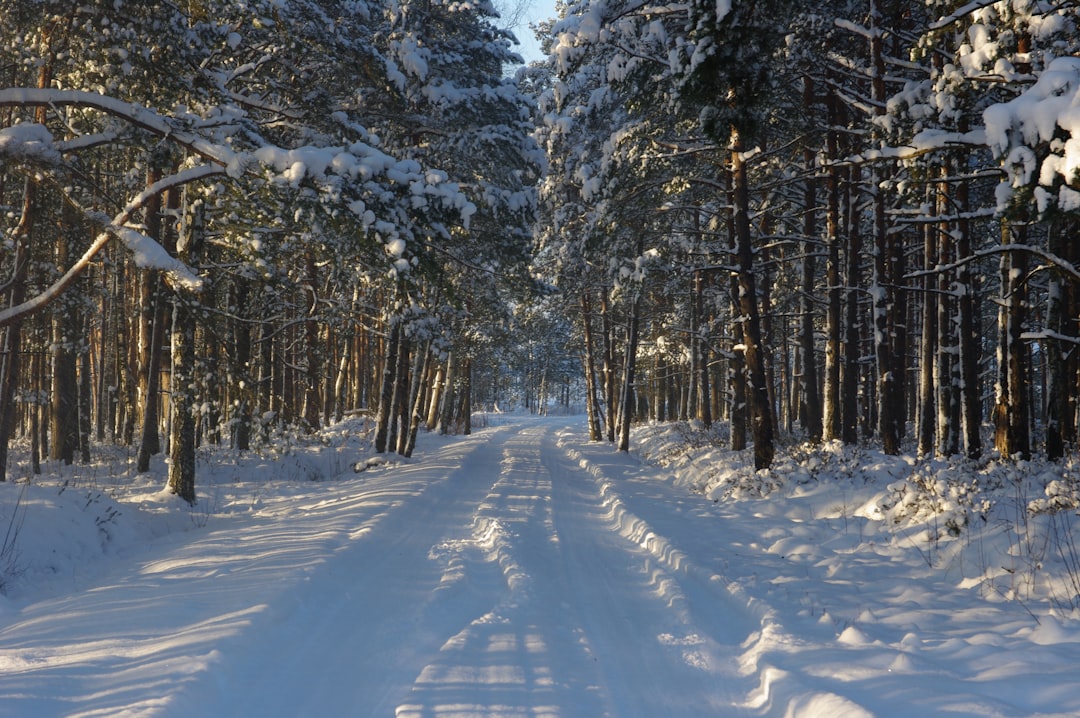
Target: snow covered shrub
[945, 491]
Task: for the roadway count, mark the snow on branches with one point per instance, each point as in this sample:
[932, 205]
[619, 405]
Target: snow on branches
[1037, 137]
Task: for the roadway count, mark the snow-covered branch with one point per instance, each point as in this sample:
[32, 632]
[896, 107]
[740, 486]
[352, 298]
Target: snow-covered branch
[148, 253]
[1050, 258]
[139, 116]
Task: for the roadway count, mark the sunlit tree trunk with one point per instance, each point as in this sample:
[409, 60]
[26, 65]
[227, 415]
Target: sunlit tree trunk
[761, 415]
[1011, 434]
[386, 393]
[313, 380]
[1061, 367]
[592, 409]
[945, 366]
[610, 398]
[182, 399]
[626, 400]
[926, 426]
[831, 408]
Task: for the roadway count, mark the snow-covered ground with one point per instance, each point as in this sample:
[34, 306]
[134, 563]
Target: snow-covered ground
[522, 571]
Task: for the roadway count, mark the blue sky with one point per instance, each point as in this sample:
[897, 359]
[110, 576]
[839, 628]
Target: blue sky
[538, 10]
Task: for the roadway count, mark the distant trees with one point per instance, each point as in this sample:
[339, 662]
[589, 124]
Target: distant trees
[889, 190]
[313, 181]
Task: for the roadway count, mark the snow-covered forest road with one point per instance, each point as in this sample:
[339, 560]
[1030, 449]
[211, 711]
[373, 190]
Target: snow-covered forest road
[516, 572]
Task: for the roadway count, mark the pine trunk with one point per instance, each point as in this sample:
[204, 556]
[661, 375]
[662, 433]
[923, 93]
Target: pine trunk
[313, 376]
[610, 398]
[626, 401]
[12, 333]
[831, 414]
[386, 393]
[1011, 435]
[807, 404]
[970, 336]
[852, 356]
[761, 415]
[591, 402]
[926, 429]
[182, 385]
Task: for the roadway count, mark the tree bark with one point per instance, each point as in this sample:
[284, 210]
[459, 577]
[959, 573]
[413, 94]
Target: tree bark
[610, 398]
[1011, 434]
[1060, 370]
[761, 415]
[702, 352]
[809, 408]
[626, 401]
[831, 399]
[591, 402]
[927, 412]
[386, 393]
[182, 399]
[12, 335]
[970, 394]
[849, 393]
[313, 376]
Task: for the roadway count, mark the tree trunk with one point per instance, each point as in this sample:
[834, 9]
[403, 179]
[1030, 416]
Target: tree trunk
[737, 363]
[65, 327]
[927, 418]
[313, 377]
[182, 385]
[852, 335]
[1011, 435]
[626, 401]
[609, 366]
[150, 441]
[970, 395]
[831, 405]
[421, 370]
[1060, 371]
[12, 334]
[702, 352]
[761, 415]
[399, 436]
[446, 407]
[386, 393]
[86, 394]
[435, 399]
[945, 369]
[591, 403]
[466, 397]
[809, 405]
[882, 290]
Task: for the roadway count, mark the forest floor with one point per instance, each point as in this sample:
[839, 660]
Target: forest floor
[522, 571]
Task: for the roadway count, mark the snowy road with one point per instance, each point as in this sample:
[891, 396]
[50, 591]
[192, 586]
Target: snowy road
[506, 587]
[518, 572]
[498, 575]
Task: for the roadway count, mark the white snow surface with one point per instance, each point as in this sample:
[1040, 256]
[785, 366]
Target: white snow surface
[520, 571]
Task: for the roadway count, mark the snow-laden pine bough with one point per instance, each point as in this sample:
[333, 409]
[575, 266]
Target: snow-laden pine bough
[33, 145]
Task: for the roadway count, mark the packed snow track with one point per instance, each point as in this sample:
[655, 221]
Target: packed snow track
[518, 572]
[508, 585]
[497, 575]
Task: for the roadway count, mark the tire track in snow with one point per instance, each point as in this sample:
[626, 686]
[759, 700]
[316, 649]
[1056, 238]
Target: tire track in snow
[679, 662]
[520, 658]
[398, 607]
[760, 686]
[590, 620]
